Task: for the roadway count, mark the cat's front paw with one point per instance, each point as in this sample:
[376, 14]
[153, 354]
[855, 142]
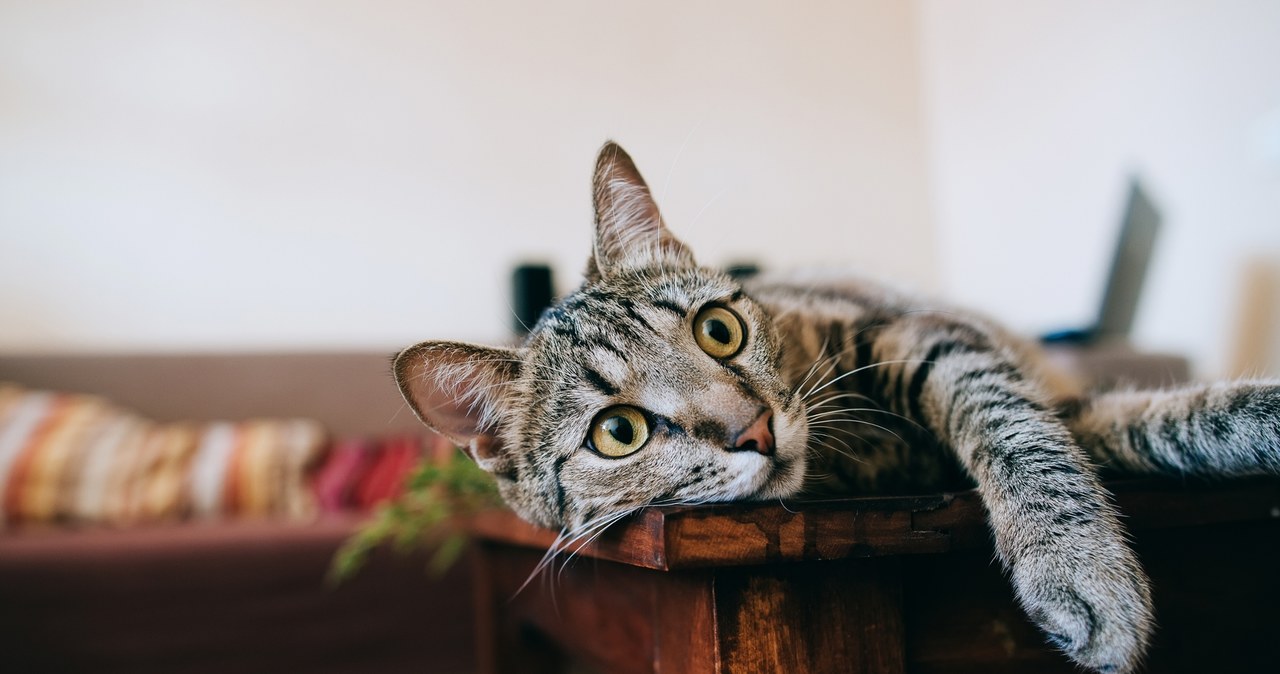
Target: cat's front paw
[1093, 603]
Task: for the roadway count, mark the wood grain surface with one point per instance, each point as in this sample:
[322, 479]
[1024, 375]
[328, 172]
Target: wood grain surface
[759, 533]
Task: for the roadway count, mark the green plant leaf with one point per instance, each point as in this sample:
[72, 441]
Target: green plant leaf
[436, 493]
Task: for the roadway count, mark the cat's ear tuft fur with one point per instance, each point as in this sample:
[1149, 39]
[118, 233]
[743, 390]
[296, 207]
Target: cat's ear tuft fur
[629, 228]
[460, 390]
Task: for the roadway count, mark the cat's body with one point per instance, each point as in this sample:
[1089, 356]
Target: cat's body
[662, 382]
[831, 326]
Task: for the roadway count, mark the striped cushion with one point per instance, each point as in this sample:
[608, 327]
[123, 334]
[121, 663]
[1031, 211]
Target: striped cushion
[362, 473]
[256, 468]
[396, 458]
[77, 458]
[338, 480]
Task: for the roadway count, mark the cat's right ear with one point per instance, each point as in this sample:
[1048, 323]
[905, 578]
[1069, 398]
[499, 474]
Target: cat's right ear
[460, 391]
[629, 228]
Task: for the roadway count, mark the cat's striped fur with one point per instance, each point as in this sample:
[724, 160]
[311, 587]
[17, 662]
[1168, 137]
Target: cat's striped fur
[864, 390]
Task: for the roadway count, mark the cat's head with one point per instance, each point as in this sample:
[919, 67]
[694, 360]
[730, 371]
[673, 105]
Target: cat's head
[657, 381]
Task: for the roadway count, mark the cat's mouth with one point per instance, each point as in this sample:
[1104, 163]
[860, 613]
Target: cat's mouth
[783, 472]
[776, 484]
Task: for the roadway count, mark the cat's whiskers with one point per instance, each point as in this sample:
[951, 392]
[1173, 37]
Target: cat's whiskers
[832, 433]
[832, 399]
[562, 541]
[815, 412]
[832, 429]
[547, 557]
[814, 366]
[877, 410]
[856, 370]
[828, 422]
[855, 335]
[847, 452]
[840, 395]
[832, 402]
[848, 412]
[602, 524]
[839, 434]
[835, 436]
[873, 425]
[833, 362]
[572, 538]
[832, 413]
[526, 326]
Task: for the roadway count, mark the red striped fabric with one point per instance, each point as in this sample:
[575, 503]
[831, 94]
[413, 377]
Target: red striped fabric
[69, 458]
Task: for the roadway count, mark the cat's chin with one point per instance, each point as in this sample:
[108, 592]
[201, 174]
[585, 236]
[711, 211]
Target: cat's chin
[783, 478]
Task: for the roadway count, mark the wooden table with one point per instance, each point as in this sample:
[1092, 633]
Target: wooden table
[862, 585]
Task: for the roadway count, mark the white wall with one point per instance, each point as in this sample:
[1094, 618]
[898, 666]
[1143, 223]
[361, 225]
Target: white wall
[1039, 111]
[296, 175]
[293, 175]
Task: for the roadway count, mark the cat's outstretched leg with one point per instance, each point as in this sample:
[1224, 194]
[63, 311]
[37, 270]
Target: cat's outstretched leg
[1054, 528]
[1212, 430]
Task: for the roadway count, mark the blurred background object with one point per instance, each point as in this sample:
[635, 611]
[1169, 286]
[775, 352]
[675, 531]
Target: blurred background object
[1122, 294]
[1101, 354]
[1257, 329]
[286, 175]
[1038, 112]
[532, 291]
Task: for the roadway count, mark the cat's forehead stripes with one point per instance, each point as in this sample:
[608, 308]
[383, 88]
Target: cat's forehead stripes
[609, 324]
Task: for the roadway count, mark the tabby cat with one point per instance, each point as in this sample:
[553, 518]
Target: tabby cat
[662, 382]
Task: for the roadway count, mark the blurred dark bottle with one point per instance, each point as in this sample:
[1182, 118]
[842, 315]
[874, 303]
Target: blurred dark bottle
[531, 292]
[742, 269]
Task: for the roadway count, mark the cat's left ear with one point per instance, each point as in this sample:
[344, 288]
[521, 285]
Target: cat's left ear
[629, 228]
[461, 390]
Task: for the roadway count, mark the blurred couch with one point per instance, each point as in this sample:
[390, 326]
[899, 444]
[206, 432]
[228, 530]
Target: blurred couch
[226, 594]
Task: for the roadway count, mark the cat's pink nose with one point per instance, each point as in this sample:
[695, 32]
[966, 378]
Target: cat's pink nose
[758, 437]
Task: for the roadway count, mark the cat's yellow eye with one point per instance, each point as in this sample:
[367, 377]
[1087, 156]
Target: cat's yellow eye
[619, 431]
[719, 332]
